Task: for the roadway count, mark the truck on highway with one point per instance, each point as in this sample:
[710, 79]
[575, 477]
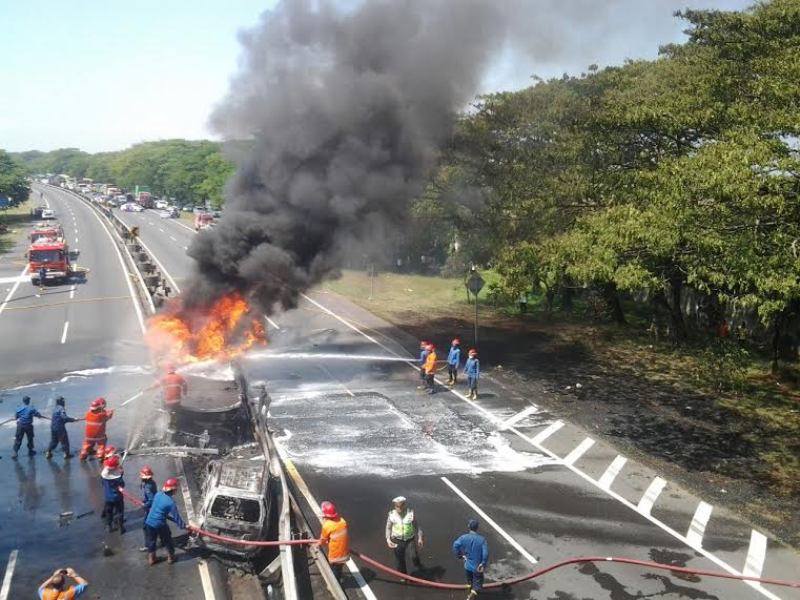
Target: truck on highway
[145, 199]
[46, 231]
[53, 256]
[203, 221]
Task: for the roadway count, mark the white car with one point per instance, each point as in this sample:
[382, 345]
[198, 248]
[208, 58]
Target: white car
[161, 204]
[48, 213]
[127, 207]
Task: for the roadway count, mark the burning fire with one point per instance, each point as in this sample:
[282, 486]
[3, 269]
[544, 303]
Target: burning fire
[222, 331]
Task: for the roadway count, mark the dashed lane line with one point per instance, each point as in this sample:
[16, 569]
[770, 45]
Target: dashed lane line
[491, 522]
[578, 451]
[533, 442]
[697, 529]
[172, 282]
[272, 323]
[12, 564]
[547, 431]
[650, 495]
[64, 333]
[610, 474]
[519, 417]
[756, 552]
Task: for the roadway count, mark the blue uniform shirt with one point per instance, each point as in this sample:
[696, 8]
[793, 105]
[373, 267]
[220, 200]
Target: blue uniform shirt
[454, 356]
[25, 414]
[59, 418]
[472, 368]
[163, 507]
[111, 488]
[149, 491]
[422, 356]
[474, 548]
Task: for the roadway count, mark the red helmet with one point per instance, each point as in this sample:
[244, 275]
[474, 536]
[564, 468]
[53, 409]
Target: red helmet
[97, 404]
[473, 351]
[170, 484]
[102, 401]
[170, 367]
[145, 472]
[109, 452]
[456, 342]
[329, 510]
[112, 462]
[429, 346]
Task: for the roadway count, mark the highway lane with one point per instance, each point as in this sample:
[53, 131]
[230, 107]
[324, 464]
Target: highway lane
[78, 325]
[359, 433]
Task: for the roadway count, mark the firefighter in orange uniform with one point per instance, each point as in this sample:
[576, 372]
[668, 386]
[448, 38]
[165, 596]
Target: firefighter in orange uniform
[173, 390]
[95, 435]
[334, 535]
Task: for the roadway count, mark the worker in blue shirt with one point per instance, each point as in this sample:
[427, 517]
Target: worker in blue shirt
[58, 429]
[155, 525]
[423, 355]
[453, 361]
[472, 369]
[113, 486]
[474, 551]
[149, 490]
[25, 414]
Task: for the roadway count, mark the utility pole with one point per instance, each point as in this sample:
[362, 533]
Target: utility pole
[474, 284]
[371, 280]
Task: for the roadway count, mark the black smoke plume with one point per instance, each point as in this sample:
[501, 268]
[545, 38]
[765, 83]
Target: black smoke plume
[342, 110]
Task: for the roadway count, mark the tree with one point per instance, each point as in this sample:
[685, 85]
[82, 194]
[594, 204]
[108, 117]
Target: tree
[13, 183]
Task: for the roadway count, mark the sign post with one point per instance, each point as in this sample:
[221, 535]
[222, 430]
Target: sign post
[475, 284]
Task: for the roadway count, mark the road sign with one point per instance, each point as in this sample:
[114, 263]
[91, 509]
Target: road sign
[475, 283]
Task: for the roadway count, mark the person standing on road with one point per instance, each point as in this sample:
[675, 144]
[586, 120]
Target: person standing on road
[149, 489]
[58, 429]
[430, 368]
[472, 369]
[156, 526]
[53, 587]
[173, 390]
[42, 277]
[113, 486]
[403, 531]
[474, 551]
[25, 414]
[453, 361]
[423, 354]
[334, 535]
[95, 432]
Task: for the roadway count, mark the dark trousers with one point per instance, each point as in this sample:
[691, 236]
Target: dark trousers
[474, 579]
[23, 430]
[429, 383]
[152, 534]
[422, 375]
[400, 553]
[113, 512]
[337, 570]
[59, 437]
[452, 371]
[472, 383]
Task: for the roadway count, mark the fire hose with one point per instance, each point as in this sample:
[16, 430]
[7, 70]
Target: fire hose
[497, 584]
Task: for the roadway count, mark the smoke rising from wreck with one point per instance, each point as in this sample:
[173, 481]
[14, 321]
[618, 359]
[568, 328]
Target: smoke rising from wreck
[338, 116]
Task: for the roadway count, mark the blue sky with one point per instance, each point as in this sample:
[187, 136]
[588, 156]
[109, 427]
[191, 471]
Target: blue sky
[102, 75]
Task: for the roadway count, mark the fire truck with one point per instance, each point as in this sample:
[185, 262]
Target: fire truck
[43, 231]
[52, 255]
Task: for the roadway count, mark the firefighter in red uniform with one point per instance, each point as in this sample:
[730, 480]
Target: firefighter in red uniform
[95, 435]
[173, 390]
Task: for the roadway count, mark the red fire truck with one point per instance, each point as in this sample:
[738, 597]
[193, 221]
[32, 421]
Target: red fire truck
[49, 257]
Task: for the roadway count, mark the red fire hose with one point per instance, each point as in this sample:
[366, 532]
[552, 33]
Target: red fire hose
[497, 584]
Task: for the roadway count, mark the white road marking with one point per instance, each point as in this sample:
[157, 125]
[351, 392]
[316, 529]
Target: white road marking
[205, 579]
[303, 487]
[13, 289]
[607, 478]
[624, 501]
[76, 240]
[15, 279]
[64, 333]
[578, 451]
[186, 247]
[12, 564]
[72, 292]
[161, 229]
[272, 323]
[547, 432]
[650, 496]
[184, 226]
[697, 529]
[490, 521]
[160, 266]
[754, 564]
[173, 238]
[519, 416]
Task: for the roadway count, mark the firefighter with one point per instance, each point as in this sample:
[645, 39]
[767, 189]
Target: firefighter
[109, 451]
[53, 587]
[472, 369]
[173, 390]
[474, 551]
[430, 368]
[453, 361]
[149, 489]
[42, 277]
[423, 354]
[156, 527]
[25, 414]
[58, 429]
[113, 485]
[403, 531]
[95, 432]
[334, 535]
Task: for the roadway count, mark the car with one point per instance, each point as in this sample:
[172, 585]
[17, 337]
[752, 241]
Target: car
[48, 213]
[129, 207]
[137, 207]
[199, 210]
[161, 204]
[187, 208]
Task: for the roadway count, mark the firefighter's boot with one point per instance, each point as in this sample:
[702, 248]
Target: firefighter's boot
[152, 559]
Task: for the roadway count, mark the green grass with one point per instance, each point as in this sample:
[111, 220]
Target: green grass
[13, 219]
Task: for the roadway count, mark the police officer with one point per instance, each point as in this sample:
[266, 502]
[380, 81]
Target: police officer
[25, 414]
[403, 531]
[58, 429]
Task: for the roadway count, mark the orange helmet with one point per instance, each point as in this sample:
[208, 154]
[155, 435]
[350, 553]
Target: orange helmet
[112, 462]
[170, 485]
[146, 472]
[329, 510]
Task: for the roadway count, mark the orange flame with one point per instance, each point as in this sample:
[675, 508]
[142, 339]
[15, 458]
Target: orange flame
[222, 331]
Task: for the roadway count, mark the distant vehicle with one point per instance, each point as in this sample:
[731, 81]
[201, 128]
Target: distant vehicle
[217, 214]
[187, 208]
[121, 199]
[144, 199]
[48, 213]
[203, 221]
[169, 213]
[198, 210]
[161, 204]
[131, 207]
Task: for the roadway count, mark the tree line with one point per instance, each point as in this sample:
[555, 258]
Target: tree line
[673, 181]
[187, 170]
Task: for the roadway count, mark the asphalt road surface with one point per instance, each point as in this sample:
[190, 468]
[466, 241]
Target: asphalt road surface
[351, 421]
[99, 353]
